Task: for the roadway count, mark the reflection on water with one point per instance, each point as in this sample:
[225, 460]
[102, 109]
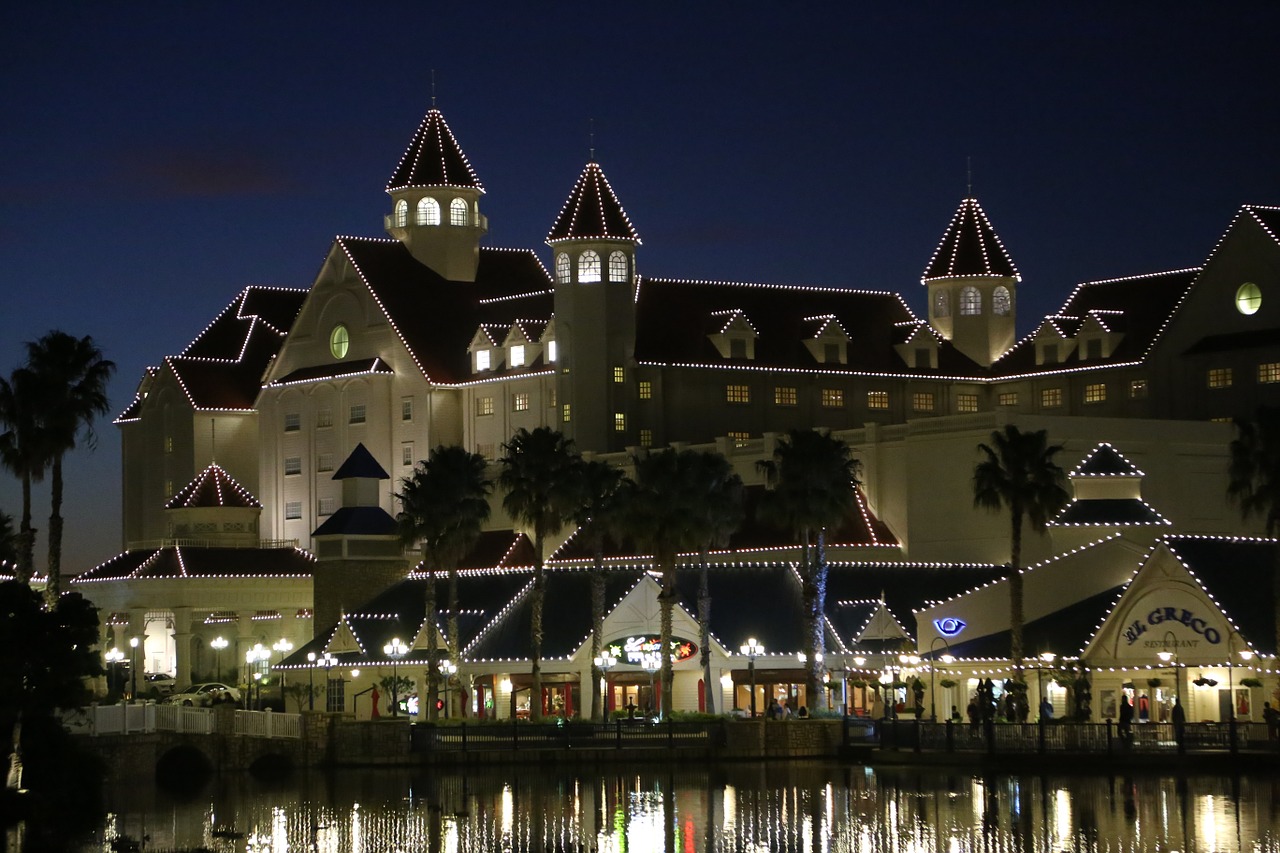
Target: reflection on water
[740, 807]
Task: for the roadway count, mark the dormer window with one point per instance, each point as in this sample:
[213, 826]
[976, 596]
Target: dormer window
[736, 337]
[458, 212]
[482, 360]
[563, 269]
[588, 267]
[1001, 302]
[428, 211]
[1049, 354]
[551, 350]
[970, 302]
[515, 357]
[617, 266]
[402, 213]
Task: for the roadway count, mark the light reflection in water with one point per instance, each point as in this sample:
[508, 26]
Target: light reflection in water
[739, 808]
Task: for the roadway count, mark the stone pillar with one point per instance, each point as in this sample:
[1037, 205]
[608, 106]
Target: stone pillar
[182, 645]
[136, 657]
[245, 640]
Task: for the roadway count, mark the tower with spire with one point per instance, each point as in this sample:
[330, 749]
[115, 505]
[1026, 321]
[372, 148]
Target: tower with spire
[594, 264]
[973, 286]
[435, 202]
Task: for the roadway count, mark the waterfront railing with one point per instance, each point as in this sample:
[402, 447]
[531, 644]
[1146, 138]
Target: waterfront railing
[268, 724]
[1063, 737]
[520, 735]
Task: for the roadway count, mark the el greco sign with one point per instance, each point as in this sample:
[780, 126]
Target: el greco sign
[1169, 619]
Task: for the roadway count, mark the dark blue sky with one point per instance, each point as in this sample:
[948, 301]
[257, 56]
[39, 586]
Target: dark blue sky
[157, 157]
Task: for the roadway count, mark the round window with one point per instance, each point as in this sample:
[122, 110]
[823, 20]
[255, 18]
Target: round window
[1248, 298]
[339, 341]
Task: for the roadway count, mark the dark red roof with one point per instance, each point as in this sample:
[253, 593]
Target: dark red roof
[434, 159]
[495, 549]
[213, 487]
[184, 562]
[216, 384]
[225, 337]
[970, 247]
[592, 211]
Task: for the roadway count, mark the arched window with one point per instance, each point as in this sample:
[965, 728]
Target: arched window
[970, 302]
[563, 272]
[402, 213]
[457, 212]
[1001, 304]
[428, 211]
[588, 267]
[942, 304]
[617, 266]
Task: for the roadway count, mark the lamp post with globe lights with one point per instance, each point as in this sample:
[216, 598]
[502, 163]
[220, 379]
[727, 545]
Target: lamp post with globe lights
[395, 650]
[114, 657]
[946, 658]
[328, 661]
[447, 669]
[652, 663]
[1246, 655]
[311, 681]
[752, 649]
[218, 644]
[282, 646]
[133, 668]
[604, 663]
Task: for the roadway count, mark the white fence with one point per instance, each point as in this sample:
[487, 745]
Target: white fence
[124, 719]
[268, 724]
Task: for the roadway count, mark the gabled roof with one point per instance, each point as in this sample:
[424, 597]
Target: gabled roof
[337, 370]
[433, 159]
[360, 464]
[184, 562]
[1105, 461]
[592, 211]
[436, 319]
[213, 487]
[905, 587]
[1268, 216]
[1106, 512]
[358, 521]
[495, 549]
[1233, 571]
[970, 247]
[1064, 632]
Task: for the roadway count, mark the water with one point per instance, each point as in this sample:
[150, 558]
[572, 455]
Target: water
[806, 808]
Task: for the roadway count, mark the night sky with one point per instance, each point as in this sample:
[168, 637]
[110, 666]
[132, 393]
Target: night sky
[159, 156]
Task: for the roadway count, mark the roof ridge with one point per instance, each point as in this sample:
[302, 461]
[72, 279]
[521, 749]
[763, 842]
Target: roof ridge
[434, 159]
[592, 211]
[970, 247]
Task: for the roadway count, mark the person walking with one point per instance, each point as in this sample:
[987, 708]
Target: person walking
[1126, 721]
[1179, 725]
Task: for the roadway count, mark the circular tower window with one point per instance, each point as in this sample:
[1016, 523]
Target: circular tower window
[339, 341]
[1248, 298]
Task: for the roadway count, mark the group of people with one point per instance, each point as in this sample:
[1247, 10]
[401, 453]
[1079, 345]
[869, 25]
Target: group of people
[984, 706]
[778, 710]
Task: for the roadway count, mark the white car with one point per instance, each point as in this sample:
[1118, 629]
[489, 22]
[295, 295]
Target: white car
[159, 684]
[203, 695]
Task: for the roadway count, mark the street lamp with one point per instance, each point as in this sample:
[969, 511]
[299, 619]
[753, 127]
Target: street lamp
[1246, 655]
[1047, 658]
[395, 650]
[311, 681]
[604, 663]
[133, 668]
[909, 663]
[1171, 641]
[752, 650]
[328, 661]
[447, 668]
[253, 658]
[113, 658]
[218, 644]
[652, 663]
[946, 658]
[282, 646]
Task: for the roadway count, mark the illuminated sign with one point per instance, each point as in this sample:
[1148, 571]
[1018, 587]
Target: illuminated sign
[633, 650]
[1168, 617]
[949, 626]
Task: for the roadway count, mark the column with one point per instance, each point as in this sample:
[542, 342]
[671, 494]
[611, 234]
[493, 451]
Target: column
[182, 646]
[245, 640]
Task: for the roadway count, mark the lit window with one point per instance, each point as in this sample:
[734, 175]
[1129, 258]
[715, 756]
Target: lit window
[551, 396]
[1269, 372]
[406, 453]
[737, 394]
[339, 341]
[970, 302]
[482, 359]
[565, 414]
[619, 375]
[1138, 389]
[942, 304]
[646, 438]
[551, 350]
[402, 213]
[457, 212]
[617, 266]
[516, 358]
[784, 396]
[324, 462]
[832, 398]
[1248, 298]
[562, 268]
[1095, 393]
[646, 389]
[292, 422]
[168, 489]
[1051, 398]
[324, 417]
[877, 399]
[293, 509]
[520, 402]
[1219, 377]
[1007, 398]
[588, 267]
[406, 409]
[292, 465]
[966, 402]
[484, 406]
[619, 422]
[357, 414]
[1001, 304]
[326, 506]
[168, 444]
[922, 401]
[740, 439]
[428, 211]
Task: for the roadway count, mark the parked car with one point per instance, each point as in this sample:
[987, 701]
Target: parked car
[159, 684]
[202, 695]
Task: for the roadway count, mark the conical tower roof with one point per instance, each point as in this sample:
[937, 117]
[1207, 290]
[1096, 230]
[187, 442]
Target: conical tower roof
[1105, 461]
[361, 464]
[592, 211]
[434, 159]
[970, 247]
[213, 487]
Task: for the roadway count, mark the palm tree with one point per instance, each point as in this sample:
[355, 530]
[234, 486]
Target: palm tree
[812, 479]
[719, 517]
[661, 506]
[444, 505]
[8, 540]
[1018, 474]
[73, 378]
[1254, 480]
[539, 476]
[597, 486]
[22, 452]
